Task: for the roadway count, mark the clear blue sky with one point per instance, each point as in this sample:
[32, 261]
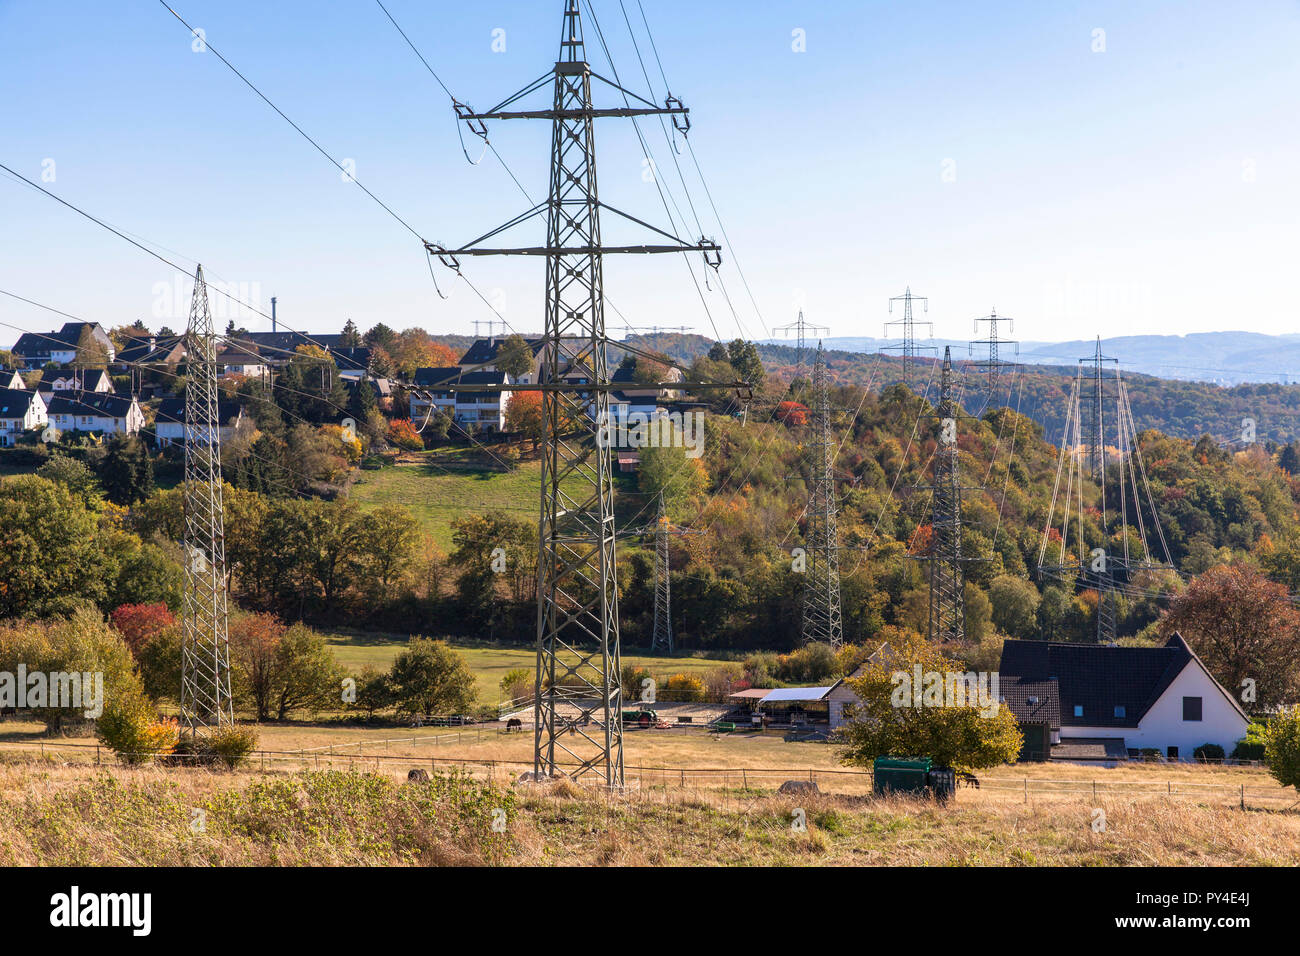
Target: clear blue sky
[1151, 187]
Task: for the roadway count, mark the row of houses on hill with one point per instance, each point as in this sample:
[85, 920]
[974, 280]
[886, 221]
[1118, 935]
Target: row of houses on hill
[484, 407]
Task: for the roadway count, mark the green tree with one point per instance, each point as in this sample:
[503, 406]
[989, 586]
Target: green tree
[961, 737]
[1015, 605]
[515, 357]
[1282, 747]
[51, 556]
[351, 336]
[126, 470]
[429, 677]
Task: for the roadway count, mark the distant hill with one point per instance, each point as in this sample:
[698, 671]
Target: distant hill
[1224, 358]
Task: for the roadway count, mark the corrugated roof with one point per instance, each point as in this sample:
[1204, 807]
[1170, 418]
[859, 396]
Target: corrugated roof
[795, 694]
[757, 693]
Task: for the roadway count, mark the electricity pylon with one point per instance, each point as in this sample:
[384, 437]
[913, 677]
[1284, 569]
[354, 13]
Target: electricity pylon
[1096, 450]
[993, 365]
[205, 650]
[578, 728]
[908, 347]
[662, 639]
[800, 327]
[947, 618]
[822, 621]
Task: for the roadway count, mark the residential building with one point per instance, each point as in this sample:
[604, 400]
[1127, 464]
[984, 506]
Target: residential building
[11, 379]
[1104, 703]
[169, 424]
[21, 410]
[77, 380]
[37, 350]
[100, 412]
[472, 410]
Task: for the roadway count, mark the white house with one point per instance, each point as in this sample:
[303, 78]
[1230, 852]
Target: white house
[169, 424]
[100, 412]
[1103, 703]
[10, 379]
[20, 411]
[37, 349]
[78, 380]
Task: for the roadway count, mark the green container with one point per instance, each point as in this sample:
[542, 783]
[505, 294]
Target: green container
[898, 775]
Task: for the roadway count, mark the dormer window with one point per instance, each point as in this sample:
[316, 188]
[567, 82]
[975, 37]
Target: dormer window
[1119, 710]
[1078, 710]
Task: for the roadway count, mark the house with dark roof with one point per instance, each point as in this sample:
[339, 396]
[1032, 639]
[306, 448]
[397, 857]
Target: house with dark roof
[1105, 703]
[11, 379]
[158, 351]
[38, 349]
[169, 424]
[483, 354]
[101, 412]
[481, 409]
[21, 410]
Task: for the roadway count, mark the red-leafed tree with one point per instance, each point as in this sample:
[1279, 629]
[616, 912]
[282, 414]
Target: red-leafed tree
[141, 623]
[792, 413]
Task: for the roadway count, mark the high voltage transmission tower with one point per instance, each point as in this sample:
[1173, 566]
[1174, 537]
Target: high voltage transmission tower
[908, 347]
[822, 622]
[1100, 558]
[993, 366]
[205, 649]
[800, 327]
[947, 618]
[578, 727]
[662, 639]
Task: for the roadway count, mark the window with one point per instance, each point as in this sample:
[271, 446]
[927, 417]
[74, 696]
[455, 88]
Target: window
[1191, 708]
[1078, 710]
[1119, 710]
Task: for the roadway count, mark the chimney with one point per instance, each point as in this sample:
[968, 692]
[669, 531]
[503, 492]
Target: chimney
[273, 326]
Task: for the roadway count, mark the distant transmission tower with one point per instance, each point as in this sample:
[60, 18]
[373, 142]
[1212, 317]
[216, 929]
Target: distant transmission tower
[800, 327]
[822, 622]
[205, 652]
[908, 347]
[947, 620]
[993, 366]
[1096, 451]
[577, 718]
[663, 630]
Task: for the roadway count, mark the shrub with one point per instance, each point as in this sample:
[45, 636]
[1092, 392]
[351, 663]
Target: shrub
[403, 434]
[232, 744]
[1251, 747]
[683, 687]
[518, 684]
[131, 728]
[633, 680]
[1282, 747]
[1208, 752]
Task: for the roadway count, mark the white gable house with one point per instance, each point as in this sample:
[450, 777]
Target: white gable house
[20, 411]
[1101, 702]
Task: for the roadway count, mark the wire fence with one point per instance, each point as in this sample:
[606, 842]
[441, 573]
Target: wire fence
[837, 781]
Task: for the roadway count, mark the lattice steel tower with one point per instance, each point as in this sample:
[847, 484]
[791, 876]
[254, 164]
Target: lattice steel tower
[993, 365]
[908, 347]
[1095, 439]
[947, 621]
[205, 650]
[578, 727]
[800, 327]
[822, 621]
[663, 629]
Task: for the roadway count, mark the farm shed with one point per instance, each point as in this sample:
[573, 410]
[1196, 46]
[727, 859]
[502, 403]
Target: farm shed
[796, 705]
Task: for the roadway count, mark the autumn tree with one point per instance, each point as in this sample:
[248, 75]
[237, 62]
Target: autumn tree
[1244, 627]
[963, 737]
[524, 416]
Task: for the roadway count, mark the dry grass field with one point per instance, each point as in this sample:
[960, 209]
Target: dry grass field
[692, 799]
[53, 814]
